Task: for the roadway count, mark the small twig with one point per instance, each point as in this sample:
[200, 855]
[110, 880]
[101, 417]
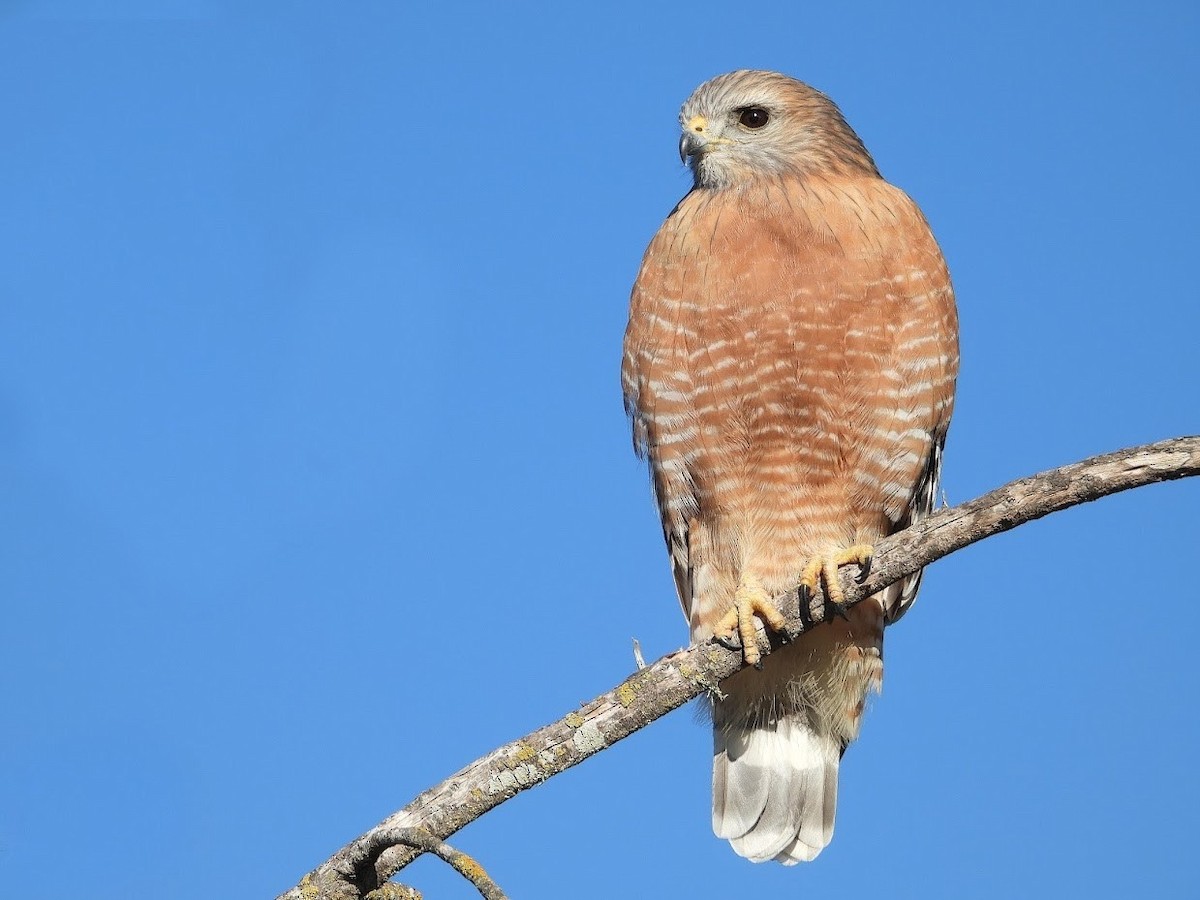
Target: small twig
[678, 677]
[420, 839]
[638, 659]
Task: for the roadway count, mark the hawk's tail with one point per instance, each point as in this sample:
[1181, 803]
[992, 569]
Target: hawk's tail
[779, 735]
[775, 789]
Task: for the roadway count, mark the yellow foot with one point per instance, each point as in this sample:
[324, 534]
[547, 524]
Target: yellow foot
[826, 569]
[750, 600]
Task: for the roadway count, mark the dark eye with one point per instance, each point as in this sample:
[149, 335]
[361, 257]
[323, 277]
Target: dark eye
[753, 116]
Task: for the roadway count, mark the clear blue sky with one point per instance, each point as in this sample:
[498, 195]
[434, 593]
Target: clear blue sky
[316, 483]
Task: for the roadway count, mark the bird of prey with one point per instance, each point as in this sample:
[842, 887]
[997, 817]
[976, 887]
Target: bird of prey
[789, 368]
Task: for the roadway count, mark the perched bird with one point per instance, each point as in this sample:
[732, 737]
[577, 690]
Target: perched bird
[789, 368]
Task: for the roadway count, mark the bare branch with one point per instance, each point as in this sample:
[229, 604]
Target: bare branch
[671, 681]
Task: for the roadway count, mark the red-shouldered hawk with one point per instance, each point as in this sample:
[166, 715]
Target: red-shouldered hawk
[789, 368]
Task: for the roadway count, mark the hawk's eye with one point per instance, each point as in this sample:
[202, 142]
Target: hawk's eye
[753, 116]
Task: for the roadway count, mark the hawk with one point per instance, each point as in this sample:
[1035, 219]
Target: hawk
[789, 368]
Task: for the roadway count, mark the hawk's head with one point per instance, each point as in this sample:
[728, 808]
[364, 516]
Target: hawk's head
[749, 123]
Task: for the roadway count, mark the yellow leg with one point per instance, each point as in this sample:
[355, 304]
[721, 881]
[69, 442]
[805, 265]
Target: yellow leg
[825, 569]
[750, 600]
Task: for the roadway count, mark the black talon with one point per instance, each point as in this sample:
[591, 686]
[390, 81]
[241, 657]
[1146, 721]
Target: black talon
[805, 596]
[806, 613]
[729, 643]
[864, 569]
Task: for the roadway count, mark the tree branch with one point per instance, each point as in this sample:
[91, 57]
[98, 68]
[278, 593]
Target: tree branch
[371, 844]
[671, 681]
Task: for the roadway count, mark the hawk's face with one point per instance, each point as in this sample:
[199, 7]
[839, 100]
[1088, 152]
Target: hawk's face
[750, 123]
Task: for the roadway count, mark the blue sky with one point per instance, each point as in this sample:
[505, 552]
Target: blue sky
[316, 483]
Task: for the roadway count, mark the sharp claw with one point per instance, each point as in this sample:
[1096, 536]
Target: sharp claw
[864, 569]
[839, 610]
[728, 641]
[758, 664]
[805, 595]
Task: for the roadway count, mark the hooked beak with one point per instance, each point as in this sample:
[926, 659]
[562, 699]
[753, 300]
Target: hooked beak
[697, 139]
[689, 145]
